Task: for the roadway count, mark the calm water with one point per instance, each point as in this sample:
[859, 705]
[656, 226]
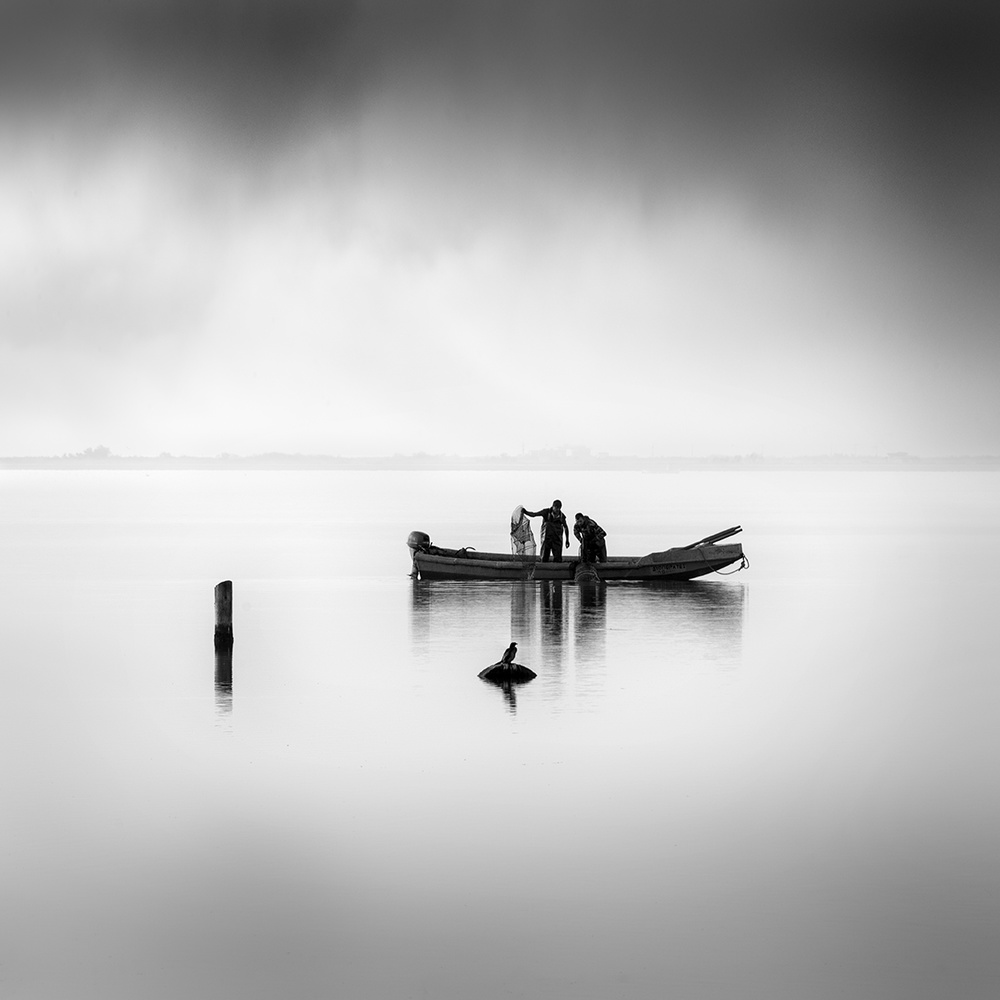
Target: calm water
[777, 784]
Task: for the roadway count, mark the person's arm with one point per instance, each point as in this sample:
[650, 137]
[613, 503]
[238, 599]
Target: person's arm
[566, 527]
[530, 513]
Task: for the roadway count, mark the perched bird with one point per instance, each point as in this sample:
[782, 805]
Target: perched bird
[506, 672]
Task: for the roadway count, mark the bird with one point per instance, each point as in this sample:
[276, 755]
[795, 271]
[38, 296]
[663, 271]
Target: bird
[508, 654]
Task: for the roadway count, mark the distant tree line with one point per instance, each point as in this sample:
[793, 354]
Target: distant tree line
[101, 451]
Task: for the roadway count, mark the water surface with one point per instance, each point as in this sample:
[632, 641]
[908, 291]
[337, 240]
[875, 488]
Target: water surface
[775, 784]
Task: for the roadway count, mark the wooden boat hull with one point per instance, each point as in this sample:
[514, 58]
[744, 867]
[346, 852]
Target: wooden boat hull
[434, 563]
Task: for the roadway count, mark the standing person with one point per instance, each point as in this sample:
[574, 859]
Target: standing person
[554, 527]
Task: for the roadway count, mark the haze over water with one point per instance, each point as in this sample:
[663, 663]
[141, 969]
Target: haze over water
[778, 784]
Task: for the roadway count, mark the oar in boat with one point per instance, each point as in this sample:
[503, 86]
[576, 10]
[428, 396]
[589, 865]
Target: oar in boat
[718, 536]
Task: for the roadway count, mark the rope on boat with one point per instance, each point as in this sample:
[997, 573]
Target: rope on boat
[744, 564]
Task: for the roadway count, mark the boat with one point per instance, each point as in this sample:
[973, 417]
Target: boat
[685, 562]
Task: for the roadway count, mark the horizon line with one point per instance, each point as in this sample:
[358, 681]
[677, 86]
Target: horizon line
[571, 456]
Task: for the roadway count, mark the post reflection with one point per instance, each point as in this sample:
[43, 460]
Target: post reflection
[223, 687]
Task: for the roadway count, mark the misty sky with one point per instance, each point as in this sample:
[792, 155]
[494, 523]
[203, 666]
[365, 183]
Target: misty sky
[462, 227]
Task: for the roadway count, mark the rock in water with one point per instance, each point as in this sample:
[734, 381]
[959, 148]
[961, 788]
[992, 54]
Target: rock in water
[505, 673]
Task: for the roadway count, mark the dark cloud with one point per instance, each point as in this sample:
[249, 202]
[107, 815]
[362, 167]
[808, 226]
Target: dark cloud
[245, 65]
[777, 100]
[725, 58]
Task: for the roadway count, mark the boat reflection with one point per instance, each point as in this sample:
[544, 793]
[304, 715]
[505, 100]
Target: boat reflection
[572, 634]
[690, 620]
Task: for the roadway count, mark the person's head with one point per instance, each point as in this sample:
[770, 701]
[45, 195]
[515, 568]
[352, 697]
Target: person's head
[579, 516]
[557, 504]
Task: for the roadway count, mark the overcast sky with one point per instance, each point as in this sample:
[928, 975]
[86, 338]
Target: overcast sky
[481, 227]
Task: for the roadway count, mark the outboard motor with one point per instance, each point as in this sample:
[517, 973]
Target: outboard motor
[418, 541]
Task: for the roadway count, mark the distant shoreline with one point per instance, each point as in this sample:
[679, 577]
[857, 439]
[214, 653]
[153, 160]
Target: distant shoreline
[505, 463]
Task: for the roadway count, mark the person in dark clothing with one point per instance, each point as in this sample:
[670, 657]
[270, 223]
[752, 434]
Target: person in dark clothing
[591, 536]
[554, 527]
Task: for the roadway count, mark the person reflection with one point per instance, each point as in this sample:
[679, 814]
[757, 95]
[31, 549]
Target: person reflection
[553, 621]
[524, 611]
[553, 628]
[590, 621]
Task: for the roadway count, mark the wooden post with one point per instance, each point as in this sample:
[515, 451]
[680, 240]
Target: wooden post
[224, 615]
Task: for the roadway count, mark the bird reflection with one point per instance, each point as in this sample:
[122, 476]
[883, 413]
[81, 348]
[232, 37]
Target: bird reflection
[509, 689]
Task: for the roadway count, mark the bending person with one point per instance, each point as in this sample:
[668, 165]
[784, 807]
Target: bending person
[591, 535]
